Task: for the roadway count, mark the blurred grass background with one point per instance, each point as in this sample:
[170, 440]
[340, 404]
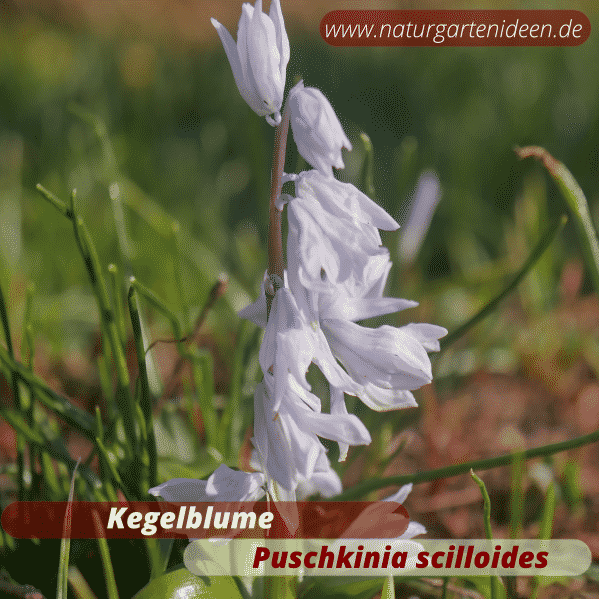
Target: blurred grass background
[174, 191]
[188, 148]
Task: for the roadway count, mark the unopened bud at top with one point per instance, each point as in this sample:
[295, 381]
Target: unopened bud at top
[259, 59]
[316, 129]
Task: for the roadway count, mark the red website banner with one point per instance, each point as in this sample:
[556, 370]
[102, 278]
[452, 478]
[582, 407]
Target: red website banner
[135, 520]
[455, 28]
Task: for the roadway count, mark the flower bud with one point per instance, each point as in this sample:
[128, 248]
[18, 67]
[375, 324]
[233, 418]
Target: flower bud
[316, 129]
[259, 59]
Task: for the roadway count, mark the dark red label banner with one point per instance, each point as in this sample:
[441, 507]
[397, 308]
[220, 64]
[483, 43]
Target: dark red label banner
[136, 520]
[455, 28]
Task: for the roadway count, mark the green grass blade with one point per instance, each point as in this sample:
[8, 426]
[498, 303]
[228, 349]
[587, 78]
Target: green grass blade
[537, 252]
[111, 588]
[516, 496]
[548, 514]
[375, 483]
[495, 588]
[144, 387]
[229, 427]
[65, 544]
[576, 201]
[79, 585]
[388, 591]
[76, 417]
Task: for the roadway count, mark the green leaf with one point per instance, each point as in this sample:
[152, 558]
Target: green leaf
[548, 514]
[388, 591]
[577, 203]
[535, 255]
[182, 583]
[65, 545]
[111, 588]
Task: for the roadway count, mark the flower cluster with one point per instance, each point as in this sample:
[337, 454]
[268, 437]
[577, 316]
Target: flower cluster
[336, 274]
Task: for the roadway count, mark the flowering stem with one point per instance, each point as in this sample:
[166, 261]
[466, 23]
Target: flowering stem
[276, 261]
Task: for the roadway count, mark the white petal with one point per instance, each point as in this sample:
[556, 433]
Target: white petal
[276, 16]
[256, 312]
[264, 60]
[386, 356]
[270, 441]
[414, 529]
[427, 334]
[316, 129]
[231, 49]
[401, 495]
[384, 400]
[226, 484]
[181, 489]
[344, 428]
[338, 407]
[349, 308]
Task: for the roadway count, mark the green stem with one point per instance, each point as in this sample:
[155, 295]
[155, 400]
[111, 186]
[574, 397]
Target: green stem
[577, 203]
[16, 396]
[144, 401]
[88, 251]
[362, 489]
[495, 584]
[538, 251]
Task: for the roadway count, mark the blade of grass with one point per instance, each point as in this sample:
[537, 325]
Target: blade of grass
[144, 395]
[577, 203]
[65, 543]
[229, 427]
[76, 417]
[111, 588]
[537, 252]
[363, 488]
[115, 280]
[108, 321]
[548, 514]
[18, 403]
[79, 585]
[545, 534]
[516, 497]
[388, 591]
[495, 582]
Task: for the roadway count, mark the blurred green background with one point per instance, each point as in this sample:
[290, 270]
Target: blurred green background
[187, 149]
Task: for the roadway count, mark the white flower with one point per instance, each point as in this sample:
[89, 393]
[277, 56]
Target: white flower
[316, 129]
[224, 484]
[386, 362]
[259, 59]
[286, 441]
[324, 480]
[334, 231]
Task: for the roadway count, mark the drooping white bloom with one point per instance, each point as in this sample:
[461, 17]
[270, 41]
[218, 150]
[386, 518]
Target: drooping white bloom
[316, 129]
[259, 59]
[334, 231]
[224, 484]
[337, 270]
[286, 441]
[287, 418]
